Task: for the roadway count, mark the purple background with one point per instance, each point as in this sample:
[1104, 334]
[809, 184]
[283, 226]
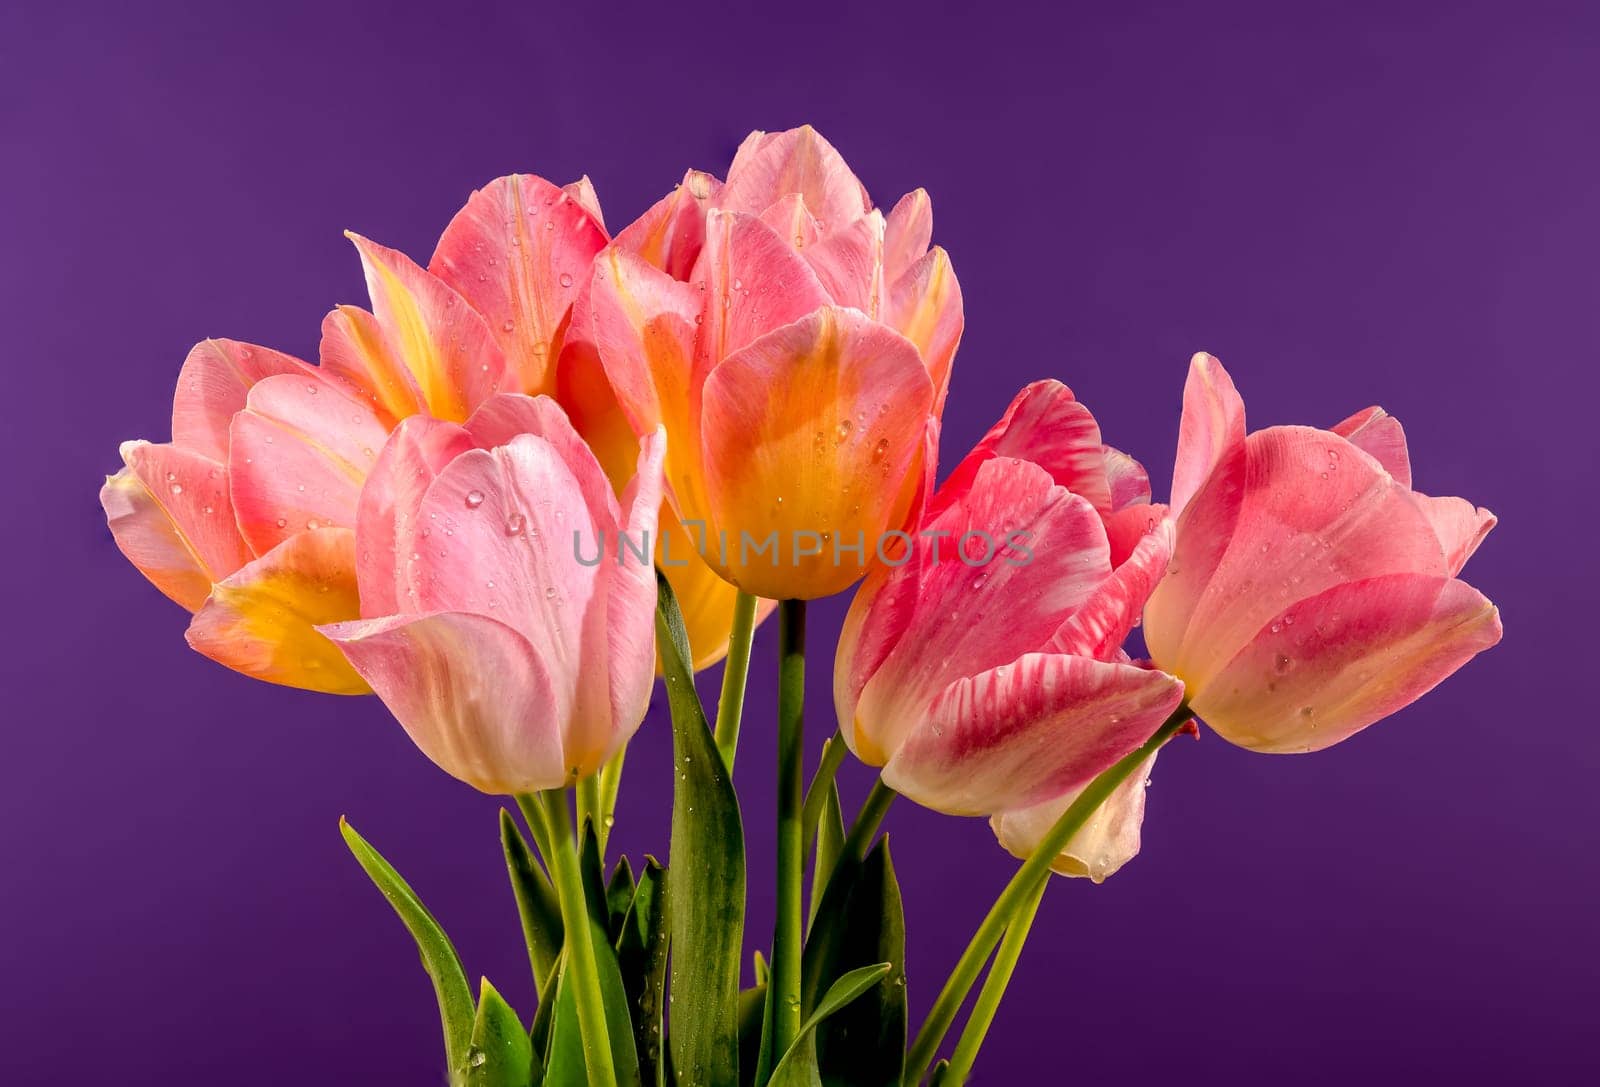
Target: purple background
[1348, 205]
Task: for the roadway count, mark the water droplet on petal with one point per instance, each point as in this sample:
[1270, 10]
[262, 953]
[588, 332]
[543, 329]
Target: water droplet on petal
[474, 499]
[566, 279]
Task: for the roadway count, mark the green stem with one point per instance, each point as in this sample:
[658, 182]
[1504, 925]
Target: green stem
[868, 820]
[735, 670]
[582, 969]
[610, 786]
[791, 736]
[833, 753]
[994, 987]
[588, 803]
[1034, 871]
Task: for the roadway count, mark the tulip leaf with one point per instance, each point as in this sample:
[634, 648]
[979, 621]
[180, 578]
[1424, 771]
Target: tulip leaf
[706, 877]
[619, 897]
[500, 1054]
[830, 843]
[594, 874]
[799, 1067]
[752, 1015]
[439, 956]
[860, 921]
[539, 1035]
[565, 1065]
[642, 957]
[537, 904]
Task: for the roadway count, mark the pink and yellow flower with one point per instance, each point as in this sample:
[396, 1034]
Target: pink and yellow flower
[508, 602]
[983, 668]
[1312, 591]
[796, 343]
[247, 516]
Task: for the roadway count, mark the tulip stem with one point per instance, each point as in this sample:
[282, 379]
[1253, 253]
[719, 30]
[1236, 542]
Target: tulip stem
[533, 815]
[1033, 872]
[735, 671]
[994, 988]
[587, 793]
[868, 820]
[786, 938]
[582, 970]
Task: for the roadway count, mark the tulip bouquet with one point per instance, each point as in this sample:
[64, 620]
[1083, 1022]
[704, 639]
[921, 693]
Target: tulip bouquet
[557, 462]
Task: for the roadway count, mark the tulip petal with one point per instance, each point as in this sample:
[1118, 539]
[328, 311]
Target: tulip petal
[355, 351]
[754, 282]
[1104, 844]
[300, 453]
[1301, 512]
[814, 428]
[469, 691]
[582, 191]
[925, 305]
[1379, 435]
[445, 343]
[1127, 480]
[1212, 428]
[631, 608]
[169, 511]
[1329, 666]
[1047, 426]
[503, 418]
[849, 264]
[213, 385]
[672, 233]
[1460, 526]
[1098, 628]
[411, 460]
[907, 234]
[1024, 732]
[770, 166]
[973, 614]
[262, 620]
[518, 252]
[793, 221]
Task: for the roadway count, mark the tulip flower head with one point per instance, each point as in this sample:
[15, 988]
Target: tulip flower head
[1312, 591]
[247, 516]
[508, 601]
[797, 345]
[983, 670]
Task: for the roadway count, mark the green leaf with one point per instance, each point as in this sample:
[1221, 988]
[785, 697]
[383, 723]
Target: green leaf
[565, 1064]
[537, 904]
[752, 1013]
[799, 1067]
[619, 897]
[830, 843]
[594, 873]
[705, 880]
[439, 956]
[539, 1035]
[642, 957]
[860, 921]
[941, 1072]
[500, 1054]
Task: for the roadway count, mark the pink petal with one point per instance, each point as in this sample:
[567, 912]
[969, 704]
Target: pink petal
[671, 234]
[1380, 435]
[1460, 526]
[262, 619]
[469, 691]
[443, 341]
[300, 453]
[849, 264]
[1099, 627]
[768, 167]
[1046, 426]
[212, 386]
[1300, 512]
[924, 303]
[355, 351]
[815, 428]
[793, 221]
[1027, 731]
[1332, 664]
[410, 461]
[519, 252]
[1104, 844]
[970, 615]
[754, 282]
[907, 233]
[169, 511]
[1127, 479]
[582, 192]
[1212, 428]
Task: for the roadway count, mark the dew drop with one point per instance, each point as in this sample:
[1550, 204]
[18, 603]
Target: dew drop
[515, 524]
[566, 279]
[474, 499]
[177, 488]
[550, 593]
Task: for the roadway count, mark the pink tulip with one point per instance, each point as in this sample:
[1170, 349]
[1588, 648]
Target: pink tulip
[1312, 591]
[507, 601]
[992, 686]
[247, 517]
[1107, 841]
[796, 343]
